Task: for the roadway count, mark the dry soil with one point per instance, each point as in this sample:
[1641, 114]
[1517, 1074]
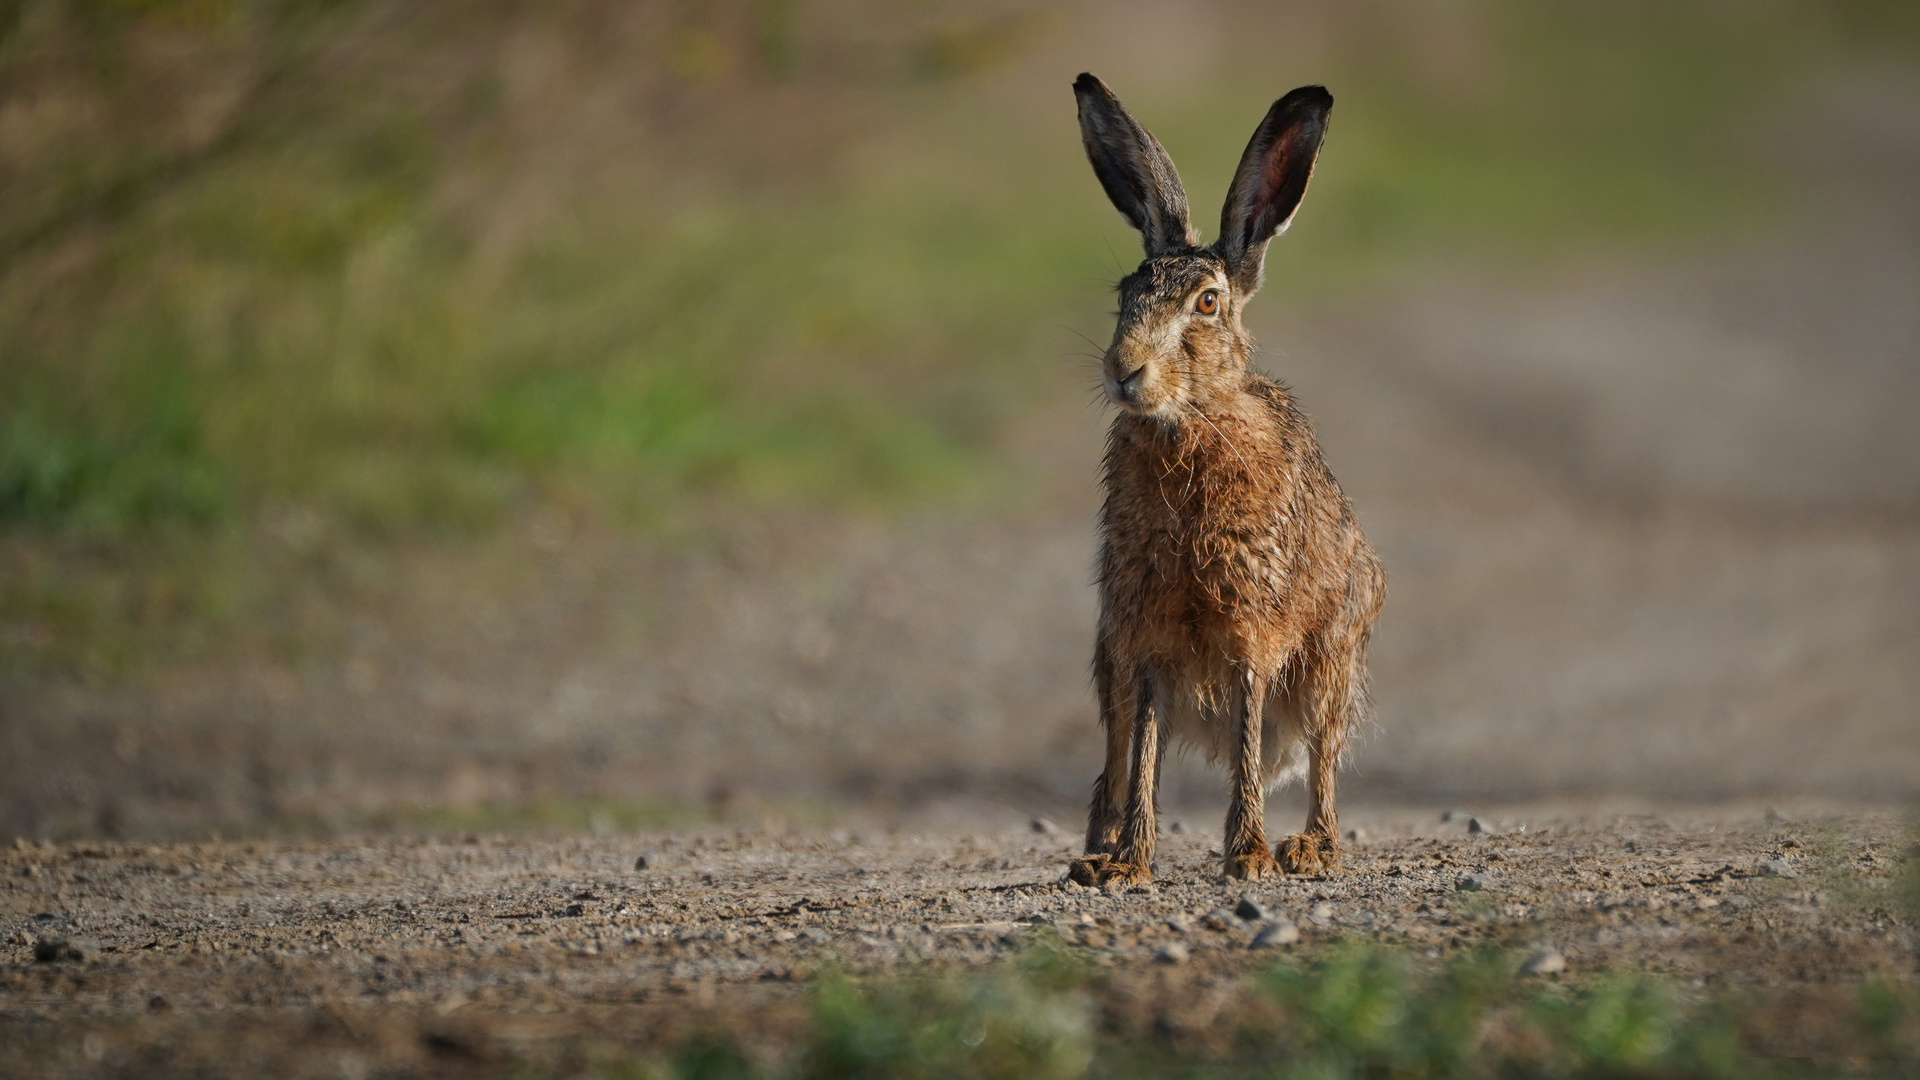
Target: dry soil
[468, 954]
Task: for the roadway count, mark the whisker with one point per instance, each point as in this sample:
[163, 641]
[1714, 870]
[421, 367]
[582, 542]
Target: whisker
[1224, 439]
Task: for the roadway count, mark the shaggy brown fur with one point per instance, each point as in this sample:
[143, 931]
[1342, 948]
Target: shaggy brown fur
[1236, 590]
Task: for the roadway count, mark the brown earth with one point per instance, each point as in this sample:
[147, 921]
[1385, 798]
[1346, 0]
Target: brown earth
[467, 955]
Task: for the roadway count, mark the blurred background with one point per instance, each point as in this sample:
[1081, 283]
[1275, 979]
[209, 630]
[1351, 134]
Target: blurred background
[608, 413]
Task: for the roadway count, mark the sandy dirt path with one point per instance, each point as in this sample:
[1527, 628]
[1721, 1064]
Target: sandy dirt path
[461, 954]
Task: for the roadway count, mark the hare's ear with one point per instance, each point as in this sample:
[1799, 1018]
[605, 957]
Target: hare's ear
[1137, 173]
[1271, 179]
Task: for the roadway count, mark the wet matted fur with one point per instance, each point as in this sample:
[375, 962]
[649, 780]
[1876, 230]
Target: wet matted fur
[1236, 590]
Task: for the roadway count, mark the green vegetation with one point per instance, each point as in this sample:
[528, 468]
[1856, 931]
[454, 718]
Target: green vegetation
[1357, 1011]
[329, 271]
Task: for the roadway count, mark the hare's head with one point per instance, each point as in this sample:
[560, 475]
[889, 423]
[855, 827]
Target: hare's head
[1179, 340]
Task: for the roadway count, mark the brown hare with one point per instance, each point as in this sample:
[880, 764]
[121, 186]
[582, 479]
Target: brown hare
[1236, 592]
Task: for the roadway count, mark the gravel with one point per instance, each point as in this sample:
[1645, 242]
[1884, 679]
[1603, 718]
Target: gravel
[519, 939]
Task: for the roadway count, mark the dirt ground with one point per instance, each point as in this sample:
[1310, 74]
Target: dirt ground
[457, 955]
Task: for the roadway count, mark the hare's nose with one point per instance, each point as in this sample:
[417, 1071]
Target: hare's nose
[1131, 383]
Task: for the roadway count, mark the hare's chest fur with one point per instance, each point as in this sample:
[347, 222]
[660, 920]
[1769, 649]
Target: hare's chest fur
[1210, 529]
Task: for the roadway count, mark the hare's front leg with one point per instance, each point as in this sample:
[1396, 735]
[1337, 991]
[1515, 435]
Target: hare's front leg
[1110, 791]
[1132, 858]
[1247, 857]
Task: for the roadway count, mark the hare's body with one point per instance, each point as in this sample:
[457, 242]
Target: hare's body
[1236, 590]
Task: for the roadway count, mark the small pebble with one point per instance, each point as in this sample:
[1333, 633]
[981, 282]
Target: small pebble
[1778, 868]
[1321, 914]
[1180, 924]
[642, 862]
[1544, 962]
[1177, 826]
[1474, 882]
[1217, 919]
[1250, 909]
[1357, 835]
[1454, 815]
[1171, 953]
[1044, 827]
[1275, 934]
[1475, 825]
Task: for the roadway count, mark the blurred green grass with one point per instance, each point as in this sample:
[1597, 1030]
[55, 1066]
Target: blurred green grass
[1349, 1010]
[337, 264]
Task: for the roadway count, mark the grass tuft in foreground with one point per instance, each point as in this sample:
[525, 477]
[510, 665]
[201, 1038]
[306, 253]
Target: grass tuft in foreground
[1357, 1011]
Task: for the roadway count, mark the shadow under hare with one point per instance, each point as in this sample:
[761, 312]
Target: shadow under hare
[1236, 591]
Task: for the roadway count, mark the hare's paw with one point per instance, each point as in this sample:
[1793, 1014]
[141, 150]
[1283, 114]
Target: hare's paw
[1086, 869]
[1125, 873]
[1255, 865]
[1100, 868]
[1308, 853]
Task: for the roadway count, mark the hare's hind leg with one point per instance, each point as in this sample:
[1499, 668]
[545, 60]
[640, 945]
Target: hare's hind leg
[1335, 699]
[1110, 790]
[1316, 849]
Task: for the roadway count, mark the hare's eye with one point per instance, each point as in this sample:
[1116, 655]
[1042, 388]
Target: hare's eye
[1208, 303]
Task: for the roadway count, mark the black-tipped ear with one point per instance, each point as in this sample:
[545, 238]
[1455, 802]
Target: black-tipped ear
[1137, 173]
[1272, 177]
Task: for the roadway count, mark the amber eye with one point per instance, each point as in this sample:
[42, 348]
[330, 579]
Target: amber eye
[1208, 303]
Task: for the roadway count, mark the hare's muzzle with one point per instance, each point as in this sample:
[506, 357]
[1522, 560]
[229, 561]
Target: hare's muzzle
[1125, 388]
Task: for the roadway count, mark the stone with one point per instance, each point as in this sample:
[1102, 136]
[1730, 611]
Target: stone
[1321, 914]
[1475, 825]
[1275, 934]
[1044, 827]
[642, 862]
[1178, 826]
[1477, 881]
[1180, 924]
[1545, 961]
[1358, 835]
[1250, 909]
[54, 950]
[1779, 868]
[1171, 953]
[1217, 919]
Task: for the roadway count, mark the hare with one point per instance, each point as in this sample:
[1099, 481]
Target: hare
[1236, 591]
